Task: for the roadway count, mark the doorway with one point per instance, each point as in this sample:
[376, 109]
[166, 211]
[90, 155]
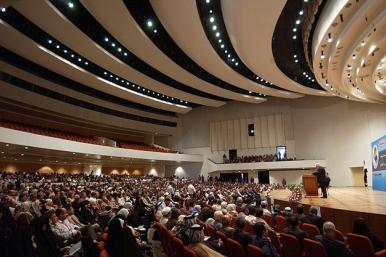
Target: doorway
[263, 177]
[357, 176]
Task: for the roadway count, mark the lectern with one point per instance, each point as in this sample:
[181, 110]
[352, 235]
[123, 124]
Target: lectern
[310, 185]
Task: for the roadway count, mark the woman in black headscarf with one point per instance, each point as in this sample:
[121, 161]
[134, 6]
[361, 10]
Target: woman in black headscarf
[23, 235]
[44, 237]
[360, 228]
[8, 227]
[121, 241]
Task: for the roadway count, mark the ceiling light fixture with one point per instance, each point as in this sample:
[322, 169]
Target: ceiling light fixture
[214, 27]
[3, 9]
[297, 21]
[70, 4]
[301, 12]
[294, 37]
[149, 23]
[211, 19]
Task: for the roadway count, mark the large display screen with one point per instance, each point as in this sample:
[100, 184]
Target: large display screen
[378, 156]
[281, 153]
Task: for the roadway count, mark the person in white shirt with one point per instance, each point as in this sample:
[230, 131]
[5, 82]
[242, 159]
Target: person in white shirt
[264, 205]
[166, 213]
[191, 189]
[63, 230]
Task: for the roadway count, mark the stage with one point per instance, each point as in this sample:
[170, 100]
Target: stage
[343, 205]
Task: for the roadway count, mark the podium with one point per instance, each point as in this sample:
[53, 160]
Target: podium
[310, 185]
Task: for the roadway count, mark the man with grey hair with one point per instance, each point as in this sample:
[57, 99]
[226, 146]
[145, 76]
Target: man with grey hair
[240, 235]
[313, 218]
[334, 248]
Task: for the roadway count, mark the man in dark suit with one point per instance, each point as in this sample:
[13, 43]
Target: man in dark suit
[334, 248]
[240, 235]
[313, 218]
[293, 229]
[320, 174]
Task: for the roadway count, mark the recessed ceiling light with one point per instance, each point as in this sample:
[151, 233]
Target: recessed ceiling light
[149, 23]
[214, 27]
[207, 1]
[322, 56]
[301, 12]
[70, 4]
[222, 46]
[295, 56]
[297, 21]
[220, 40]
[211, 19]
[26, 147]
[354, 56]
[65, 51]
[305, 1]
[7, 145]
[304, 73]
[3, 9]
[363, 43]
[106, 39]
[57, 46]
[250, 92]
[233, 59]
[210, 11]
[155, 31]
[329, 40]
[229, 55]
[294, 37]
[49, 41]
[237, 64]
[294, 29]
[72, 56]
[125, 54]
[86, 63]
[113, 44]
[296, 61]
[119, 49]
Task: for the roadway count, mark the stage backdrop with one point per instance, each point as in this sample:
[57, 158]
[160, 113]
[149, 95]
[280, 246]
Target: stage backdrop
[378, 153]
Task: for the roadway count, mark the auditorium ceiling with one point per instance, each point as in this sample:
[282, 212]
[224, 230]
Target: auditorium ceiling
[150, 60]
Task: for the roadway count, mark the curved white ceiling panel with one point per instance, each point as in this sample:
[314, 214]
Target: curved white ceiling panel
[20, 44]
[124, 28]
[48, 18]
[181, 20]
[250, 25]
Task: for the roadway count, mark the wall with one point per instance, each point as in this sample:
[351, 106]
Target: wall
[122, 171]
[333, 129]
[45, 169]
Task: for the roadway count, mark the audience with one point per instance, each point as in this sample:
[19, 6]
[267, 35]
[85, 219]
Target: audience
[45, 215]
[334, 248]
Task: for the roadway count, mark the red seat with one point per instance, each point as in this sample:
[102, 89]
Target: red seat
[362, 246]
[275, 240]
[189, 253]
[101, 245]
[235, 249]
[281, 223]
[249, 227]
[104, 237]
[339, 236]
[291, 246]
[223, 237]
[178, 247]
[311, 230]
[211, 231]
[254, 251]
[103, 253]
[313, 248]
[269, 220]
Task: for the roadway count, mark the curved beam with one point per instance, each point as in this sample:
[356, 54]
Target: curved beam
[182, 21]
[254, 42]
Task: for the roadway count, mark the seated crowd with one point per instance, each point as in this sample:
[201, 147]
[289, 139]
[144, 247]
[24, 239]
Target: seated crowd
[254, 158]
[120, 216]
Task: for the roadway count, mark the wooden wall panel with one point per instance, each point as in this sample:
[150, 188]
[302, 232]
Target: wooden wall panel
[236, 133]
[220, 143]
[231, 136]
[280, 135]
[224, 135]
[272, 130]
[213, 136]
[244, 133]
[257, 123]
[264, 131]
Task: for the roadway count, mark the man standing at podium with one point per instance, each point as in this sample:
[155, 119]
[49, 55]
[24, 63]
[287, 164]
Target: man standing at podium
[320, 174]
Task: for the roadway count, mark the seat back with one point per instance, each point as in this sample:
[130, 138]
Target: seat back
[254, 251]
[313, 248]
[291, 246]
[189, 253]
[339, 236]
[311, 230]
[178, 247]
[235, 249]
[224, 247]
[360, 245]
[103, 253]
[249, 227]
[269, 220]
[281, 223]
[211, 231]
[275, 240]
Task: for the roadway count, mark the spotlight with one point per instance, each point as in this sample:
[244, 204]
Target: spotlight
[217, 34]
[155, 31]
[119, 49]
[297, 21]
[211, 19]
[295, 56]
[301, 12]
[296, 61]
[222, 46]
[113, 44]
[57, 46]
[70, 4]
[237, 64]
[149, 23]
[294, 29]
[214, 27]
[49, 41]
[106, 39]
[294, 37]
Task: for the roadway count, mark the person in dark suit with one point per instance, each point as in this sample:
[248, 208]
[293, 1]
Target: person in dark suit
[320, 174]
[293, 229]
[313, 218]
[334, 248]
[240, 235]
[360, 228]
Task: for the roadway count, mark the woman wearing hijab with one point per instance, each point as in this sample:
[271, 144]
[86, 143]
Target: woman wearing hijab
[360, 228]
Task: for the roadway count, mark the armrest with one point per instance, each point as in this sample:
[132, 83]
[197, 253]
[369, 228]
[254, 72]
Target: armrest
[381, 253]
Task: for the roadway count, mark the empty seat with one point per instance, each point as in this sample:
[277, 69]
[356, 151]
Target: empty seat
[311, 230]
[281, 223]
[269, 220]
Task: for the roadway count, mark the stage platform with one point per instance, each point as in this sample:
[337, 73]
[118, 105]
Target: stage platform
[343, 205]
